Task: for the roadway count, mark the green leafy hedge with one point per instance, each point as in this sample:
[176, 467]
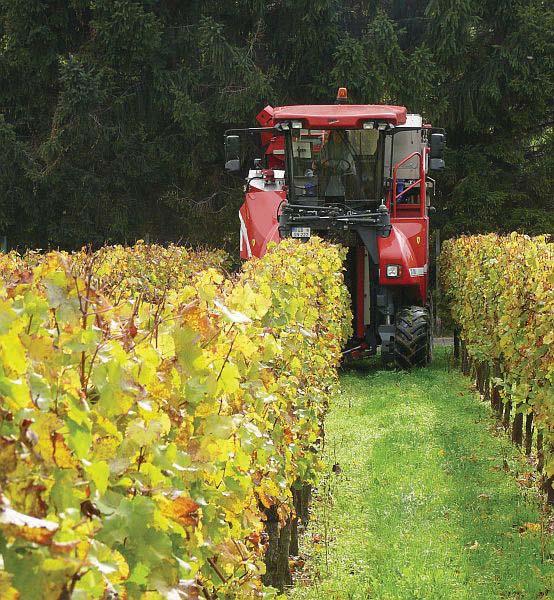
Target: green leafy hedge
[501, 292]
[141, 440]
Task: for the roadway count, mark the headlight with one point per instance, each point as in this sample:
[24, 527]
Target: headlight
[393, 270]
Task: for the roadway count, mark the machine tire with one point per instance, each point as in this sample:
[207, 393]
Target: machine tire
[413, 338]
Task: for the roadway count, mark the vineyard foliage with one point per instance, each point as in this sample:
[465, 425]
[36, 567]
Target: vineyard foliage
[141, 271]
[151, 408]
[501, 291]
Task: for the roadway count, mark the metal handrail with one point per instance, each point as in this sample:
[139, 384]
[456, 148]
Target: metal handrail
[419, 181]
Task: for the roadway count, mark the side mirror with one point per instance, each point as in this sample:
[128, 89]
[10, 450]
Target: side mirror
[437, 145]
[232, 153]
[436, 154]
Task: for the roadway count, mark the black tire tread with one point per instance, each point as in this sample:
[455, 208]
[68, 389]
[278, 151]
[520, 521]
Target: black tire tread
[412, 340]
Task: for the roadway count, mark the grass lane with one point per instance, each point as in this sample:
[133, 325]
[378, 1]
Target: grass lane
[422, 507]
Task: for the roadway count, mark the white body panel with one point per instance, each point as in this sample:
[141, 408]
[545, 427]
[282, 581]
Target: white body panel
[405, 142]
[255, 180]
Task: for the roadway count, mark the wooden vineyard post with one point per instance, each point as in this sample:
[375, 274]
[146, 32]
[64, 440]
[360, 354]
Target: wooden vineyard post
[517, 429]
[478, 377]
[549, 489]
[278, 549]
[540, 453]
[529, 433]
[486, 382]
[507, 411]
[456, 344]
[301, 495]
[496, 399]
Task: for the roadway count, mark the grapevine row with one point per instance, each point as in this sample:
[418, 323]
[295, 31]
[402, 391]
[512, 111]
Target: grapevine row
[156, 416]
[501, 293]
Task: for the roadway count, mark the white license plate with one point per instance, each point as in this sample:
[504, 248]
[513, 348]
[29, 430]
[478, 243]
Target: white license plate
[301, 232]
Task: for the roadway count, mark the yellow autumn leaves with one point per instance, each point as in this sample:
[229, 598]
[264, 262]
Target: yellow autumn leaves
[151, 406]
[501, 291]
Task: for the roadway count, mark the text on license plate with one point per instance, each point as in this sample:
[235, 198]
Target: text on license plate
[301, 232]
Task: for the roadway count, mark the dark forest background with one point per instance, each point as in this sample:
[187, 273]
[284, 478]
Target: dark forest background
[112, 112]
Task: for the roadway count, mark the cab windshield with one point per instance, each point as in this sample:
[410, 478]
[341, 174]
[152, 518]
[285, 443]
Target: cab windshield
[336, 165]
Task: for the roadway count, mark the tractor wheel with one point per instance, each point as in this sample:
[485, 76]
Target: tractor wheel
[412, 338]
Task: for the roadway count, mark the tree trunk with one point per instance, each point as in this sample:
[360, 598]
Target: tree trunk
[456, 344]
[277, 555]
[482, 371]
[294, 549]
[305, 498]
[540, 453]
[478, 377]
[517, 429]
[487, 383]
[301, 496]
[529, 433]
[496, 399]
[549, 489]
[507, 411]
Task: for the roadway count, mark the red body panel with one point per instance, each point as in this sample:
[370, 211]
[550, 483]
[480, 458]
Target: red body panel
[274, 144]
[408, 242]
[275, 152]
[407, 246]
[329, 116]
[259, 223]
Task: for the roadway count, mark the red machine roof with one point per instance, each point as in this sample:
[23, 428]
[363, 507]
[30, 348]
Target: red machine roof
[328, 116]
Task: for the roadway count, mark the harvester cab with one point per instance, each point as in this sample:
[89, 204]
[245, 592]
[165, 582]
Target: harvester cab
[355, 174]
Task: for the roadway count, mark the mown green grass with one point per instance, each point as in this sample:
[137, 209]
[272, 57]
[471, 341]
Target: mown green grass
[423, 507]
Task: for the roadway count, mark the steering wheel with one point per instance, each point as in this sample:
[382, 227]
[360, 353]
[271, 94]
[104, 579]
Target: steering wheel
[339, 165]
